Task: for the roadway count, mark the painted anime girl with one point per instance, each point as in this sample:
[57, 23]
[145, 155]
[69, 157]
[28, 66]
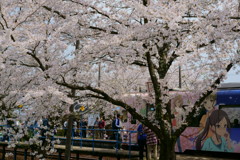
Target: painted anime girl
[217, 123]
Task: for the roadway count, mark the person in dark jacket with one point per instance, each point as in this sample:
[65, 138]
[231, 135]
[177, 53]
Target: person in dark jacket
[101, 126]
[83, 126]
[141, 140]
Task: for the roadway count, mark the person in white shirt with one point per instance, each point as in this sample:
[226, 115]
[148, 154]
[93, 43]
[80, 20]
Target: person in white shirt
[117, 126]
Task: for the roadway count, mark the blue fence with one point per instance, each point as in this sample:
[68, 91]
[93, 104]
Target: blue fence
[118, 137]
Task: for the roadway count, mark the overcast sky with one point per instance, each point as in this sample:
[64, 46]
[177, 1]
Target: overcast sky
[232, 77]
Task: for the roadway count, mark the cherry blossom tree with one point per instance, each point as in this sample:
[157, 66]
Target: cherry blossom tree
[52, 53]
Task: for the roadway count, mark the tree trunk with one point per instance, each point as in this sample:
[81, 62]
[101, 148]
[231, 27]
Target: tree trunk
[69, 134]
[167, 150]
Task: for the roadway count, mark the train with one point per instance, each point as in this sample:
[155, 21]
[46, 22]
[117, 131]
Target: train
[216, 128]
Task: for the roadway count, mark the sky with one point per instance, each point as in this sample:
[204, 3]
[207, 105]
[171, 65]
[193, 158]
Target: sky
[232, 76]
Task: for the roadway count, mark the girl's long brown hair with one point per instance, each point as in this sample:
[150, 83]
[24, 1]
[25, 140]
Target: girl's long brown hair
[215, 117]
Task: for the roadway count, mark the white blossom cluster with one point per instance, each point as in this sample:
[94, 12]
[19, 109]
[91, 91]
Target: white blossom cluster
[49, 47]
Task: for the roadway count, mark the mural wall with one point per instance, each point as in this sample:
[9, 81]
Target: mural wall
[218, 128]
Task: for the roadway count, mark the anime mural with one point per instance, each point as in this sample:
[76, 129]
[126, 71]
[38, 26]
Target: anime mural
[180, 99]
[218, 129]
[219, 139]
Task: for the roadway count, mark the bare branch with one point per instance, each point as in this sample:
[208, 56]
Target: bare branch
[27, 17]
[99, 12]
[41, 66]
[5, 21]
[54, 11]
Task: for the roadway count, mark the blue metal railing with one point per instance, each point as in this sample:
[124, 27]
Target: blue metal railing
[117, 137]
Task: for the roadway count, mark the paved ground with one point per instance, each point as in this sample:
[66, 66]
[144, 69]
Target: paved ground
[179, 157]
[187, 157]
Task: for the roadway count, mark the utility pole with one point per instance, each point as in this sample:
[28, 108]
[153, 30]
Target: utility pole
[99, 73]
[146, 3]
[180, 77]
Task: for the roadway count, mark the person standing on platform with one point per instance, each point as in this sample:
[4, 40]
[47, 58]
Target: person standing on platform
[65, 128]
[74, 129]
[83, 126]
[151, 143]
[101, 126]
[117, 125]
[96, 128]
[141, 140]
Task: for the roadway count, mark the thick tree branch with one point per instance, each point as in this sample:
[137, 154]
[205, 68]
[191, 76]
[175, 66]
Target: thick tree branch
[157, 91]
[28, 65]
[164, 62]
[172, 59]
[146, 2]
[140, 63]
[162, 52]
[102, 95]
[234, 18]
[101, 29]
[154, 79]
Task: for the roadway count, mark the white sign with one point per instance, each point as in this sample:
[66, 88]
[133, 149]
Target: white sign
[92, 118]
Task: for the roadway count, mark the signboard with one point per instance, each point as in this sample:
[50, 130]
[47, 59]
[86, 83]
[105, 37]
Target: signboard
[20, 106]
[80, 108]
[92, 118]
